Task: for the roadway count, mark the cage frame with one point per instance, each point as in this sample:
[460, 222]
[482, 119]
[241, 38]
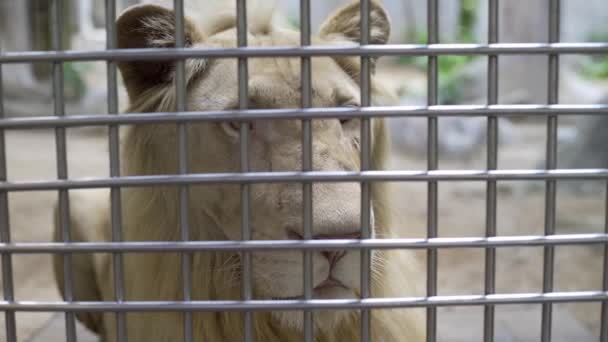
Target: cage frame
[553, 49]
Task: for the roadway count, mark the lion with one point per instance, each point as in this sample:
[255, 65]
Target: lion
[152, 213]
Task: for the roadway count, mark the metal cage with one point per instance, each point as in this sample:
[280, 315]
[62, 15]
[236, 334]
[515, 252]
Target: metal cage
[432, 176]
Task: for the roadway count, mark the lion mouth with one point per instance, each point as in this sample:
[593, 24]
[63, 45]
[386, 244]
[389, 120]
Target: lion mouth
[330, 283]
[327, 285]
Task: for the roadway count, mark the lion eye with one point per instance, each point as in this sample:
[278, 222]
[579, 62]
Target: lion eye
[348, 105]
[232, 128]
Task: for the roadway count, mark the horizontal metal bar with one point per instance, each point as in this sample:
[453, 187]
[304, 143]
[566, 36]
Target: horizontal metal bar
[301, 114]
[310, 176]
[313, 304]
[264, 245]
[306, 51]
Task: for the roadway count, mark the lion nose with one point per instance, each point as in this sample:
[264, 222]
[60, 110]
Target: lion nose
[333, 257]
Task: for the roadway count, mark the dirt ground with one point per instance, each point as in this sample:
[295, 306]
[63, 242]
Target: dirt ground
[31, 156]
[520, 211]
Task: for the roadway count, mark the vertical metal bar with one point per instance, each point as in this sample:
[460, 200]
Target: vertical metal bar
[551, 163]
[492, 164]
[432, 164]
[243, 93]
[604, 327]
[307, 218]
[182, 152]
[366, 229]
[62, 164]
[5, 234]
[115, 197]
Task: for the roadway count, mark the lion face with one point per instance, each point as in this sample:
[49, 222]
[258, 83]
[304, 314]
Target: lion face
[276, 145]
[276, 209]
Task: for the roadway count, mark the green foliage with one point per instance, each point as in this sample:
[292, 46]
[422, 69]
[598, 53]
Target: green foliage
[598, 37]
[596, 67]
[73, 79]
[449, 66]
[446, 65]
[468, 16]
[416, 61]
[293, 22]
[451, 88]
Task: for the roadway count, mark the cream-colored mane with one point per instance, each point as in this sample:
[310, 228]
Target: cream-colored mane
[152, 213]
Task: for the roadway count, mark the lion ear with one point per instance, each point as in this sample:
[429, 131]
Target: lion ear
[345, 24]
[149, 26]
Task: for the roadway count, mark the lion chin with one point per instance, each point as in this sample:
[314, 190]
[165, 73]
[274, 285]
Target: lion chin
[323, 320]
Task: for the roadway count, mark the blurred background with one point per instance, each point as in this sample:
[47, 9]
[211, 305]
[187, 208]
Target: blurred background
[582, 143]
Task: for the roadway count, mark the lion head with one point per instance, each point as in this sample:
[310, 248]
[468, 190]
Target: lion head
[274, 145]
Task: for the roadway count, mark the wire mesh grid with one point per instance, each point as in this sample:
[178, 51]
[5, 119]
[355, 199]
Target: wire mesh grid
[432, 176]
